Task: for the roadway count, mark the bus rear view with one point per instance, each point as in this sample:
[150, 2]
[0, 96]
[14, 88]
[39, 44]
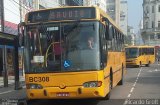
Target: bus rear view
[140, 55]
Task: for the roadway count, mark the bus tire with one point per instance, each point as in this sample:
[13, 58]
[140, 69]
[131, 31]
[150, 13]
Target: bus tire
[140, 64]
[147, 65]
[122, 79]
[22, 102]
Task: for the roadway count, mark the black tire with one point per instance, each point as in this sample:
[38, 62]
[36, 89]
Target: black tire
[22, 102]
[140, 64]
[147, 65]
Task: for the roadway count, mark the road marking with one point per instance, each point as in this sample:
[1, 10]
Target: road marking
[150, 77]
[156, 70]
[129, 95]
[134, 84]
[6, 92]
[133, 87]
[136, 80]
[132, 90]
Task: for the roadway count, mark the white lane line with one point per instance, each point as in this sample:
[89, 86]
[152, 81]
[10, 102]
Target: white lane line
[136, 80]
[132, 90]
[150, 77]
[133, 87]
[7, 92]
[135, 83]
[129, 95]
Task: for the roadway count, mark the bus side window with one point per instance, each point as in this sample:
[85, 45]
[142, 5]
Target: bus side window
[143, 51]
[149, 51]
[140, 51]
[152, 51]
[109, 36]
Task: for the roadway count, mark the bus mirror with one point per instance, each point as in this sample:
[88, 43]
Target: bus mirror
[21, 33]
[104, 19]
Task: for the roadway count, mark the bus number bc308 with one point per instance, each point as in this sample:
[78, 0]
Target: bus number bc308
[38, 79]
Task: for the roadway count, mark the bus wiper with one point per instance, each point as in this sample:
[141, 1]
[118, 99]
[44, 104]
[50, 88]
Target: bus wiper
[75, 25]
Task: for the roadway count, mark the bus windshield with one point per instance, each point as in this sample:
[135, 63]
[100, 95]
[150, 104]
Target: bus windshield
[62, 47]
[132, 52]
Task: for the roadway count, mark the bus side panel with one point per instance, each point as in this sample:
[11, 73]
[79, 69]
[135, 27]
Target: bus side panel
[115, 62]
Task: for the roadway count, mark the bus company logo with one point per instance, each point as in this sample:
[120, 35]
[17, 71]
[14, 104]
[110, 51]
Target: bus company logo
[62, 86]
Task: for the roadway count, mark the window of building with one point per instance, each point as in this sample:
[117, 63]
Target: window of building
[60, 2]
[151, 36]
[158, 24]
[158, 36]
[147, 9]
[152, 9]
[146, 25]
[152, 24]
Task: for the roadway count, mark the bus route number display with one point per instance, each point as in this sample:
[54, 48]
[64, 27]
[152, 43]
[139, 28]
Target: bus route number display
[61, 14]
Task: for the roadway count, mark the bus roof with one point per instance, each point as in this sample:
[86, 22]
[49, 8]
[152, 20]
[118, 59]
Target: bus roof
[99, 13]
[145, 46]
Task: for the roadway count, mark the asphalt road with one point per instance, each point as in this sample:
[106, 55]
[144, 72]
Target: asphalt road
[141, 87]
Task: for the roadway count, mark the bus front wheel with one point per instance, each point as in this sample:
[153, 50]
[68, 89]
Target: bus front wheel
[147, 65]
[140, 64]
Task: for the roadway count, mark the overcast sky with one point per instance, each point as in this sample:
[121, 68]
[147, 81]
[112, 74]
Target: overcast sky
[135, 13]
[11, 10]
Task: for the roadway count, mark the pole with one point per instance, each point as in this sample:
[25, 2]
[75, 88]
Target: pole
[5, 74]
[16, 65]
[2, 15]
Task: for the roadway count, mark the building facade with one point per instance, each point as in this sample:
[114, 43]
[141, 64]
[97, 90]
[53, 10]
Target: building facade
[30, 5]
[123, 16]
[100, 3]
[113, 9]
[131, 36]
[41, 4]
[151, 22]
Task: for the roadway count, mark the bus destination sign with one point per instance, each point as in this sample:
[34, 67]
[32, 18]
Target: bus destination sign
[61, 14]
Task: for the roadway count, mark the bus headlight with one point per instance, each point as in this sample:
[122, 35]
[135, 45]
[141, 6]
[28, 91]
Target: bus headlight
[92, 84]
[34, 86]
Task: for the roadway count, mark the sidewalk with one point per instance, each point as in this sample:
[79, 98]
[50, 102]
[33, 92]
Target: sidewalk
[10, 96]
[11, 81]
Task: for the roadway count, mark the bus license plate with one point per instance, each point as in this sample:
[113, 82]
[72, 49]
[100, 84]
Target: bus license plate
[62, 94]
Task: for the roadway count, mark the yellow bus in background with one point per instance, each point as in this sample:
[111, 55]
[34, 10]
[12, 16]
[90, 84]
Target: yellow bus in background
[59, 60]
[140, 55]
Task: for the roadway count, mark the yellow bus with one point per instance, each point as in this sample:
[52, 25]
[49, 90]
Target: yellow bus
[140, 55]
[59, 60]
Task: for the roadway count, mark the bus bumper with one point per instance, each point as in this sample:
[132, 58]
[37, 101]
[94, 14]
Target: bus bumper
[68, 93]
[132, 64]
